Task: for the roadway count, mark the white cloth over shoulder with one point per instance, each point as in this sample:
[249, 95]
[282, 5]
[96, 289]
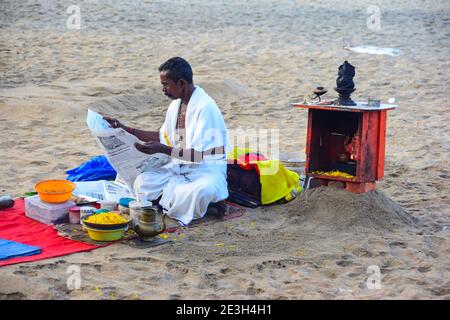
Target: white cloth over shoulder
[205, 127]
[187, 188]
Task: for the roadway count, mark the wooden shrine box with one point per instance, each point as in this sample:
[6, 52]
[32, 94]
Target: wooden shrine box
[350, 139]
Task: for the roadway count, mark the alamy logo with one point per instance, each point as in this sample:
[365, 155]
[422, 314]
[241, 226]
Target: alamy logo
[374, 19]
[74, 280]
[374, 279]
[74, 20]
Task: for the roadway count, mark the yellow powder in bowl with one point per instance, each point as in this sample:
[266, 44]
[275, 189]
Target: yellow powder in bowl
[106, 218]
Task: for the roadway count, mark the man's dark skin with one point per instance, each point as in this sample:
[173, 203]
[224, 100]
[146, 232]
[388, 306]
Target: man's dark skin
[180, 89]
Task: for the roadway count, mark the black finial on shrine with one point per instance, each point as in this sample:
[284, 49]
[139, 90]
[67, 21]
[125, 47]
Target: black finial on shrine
[345, 85]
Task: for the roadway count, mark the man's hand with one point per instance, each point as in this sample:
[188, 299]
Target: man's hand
[114, 123]
[152, 147]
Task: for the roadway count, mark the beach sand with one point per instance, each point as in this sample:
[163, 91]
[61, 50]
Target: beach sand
[254, 59]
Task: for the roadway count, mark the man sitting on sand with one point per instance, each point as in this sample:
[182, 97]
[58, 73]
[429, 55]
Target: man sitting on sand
[194, 134]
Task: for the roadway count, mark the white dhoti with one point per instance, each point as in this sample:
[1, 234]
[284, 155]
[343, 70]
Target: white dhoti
[188, 188]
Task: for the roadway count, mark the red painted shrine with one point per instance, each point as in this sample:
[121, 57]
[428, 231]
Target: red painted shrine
[348, 139]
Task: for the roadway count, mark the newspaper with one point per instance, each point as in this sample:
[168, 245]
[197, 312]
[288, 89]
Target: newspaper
[118, 146]
[101, 190]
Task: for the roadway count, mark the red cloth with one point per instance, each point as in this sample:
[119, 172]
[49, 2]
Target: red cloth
[15, 226]
[249, 161]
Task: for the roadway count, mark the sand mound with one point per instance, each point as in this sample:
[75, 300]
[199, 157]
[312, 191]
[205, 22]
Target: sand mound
[332, 208]
[226, 89]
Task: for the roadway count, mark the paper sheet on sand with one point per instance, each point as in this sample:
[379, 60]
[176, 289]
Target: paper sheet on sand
[118, 147]
[374, 50]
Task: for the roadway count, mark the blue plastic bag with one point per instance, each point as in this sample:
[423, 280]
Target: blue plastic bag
[96, 168]
[11, 249]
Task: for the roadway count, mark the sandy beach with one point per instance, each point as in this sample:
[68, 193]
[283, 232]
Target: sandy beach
[254, 58]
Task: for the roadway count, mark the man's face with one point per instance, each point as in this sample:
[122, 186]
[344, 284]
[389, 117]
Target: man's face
[170, 88]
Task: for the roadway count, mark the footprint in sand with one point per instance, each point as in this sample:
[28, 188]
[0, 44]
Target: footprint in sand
[424, 269]
[398, 244]
[346, 260]
[362, 252]
[26, 271]
[173, 267]
[13, 296]
[254, 291]
[39, 163]
[269, 263]
[441, 291]
[175, 297]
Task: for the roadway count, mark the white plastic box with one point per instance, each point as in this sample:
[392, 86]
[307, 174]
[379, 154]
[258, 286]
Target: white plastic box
[48, 213]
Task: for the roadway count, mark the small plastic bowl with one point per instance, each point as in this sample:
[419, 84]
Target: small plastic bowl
[55, 191]
[74, 215]
[108, 205]
[106, 235]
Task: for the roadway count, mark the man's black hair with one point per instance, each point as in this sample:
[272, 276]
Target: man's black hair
[177, 68]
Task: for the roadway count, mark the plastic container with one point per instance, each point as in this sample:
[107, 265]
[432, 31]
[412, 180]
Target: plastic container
[124, 210]
[55, 191]
[108, 205]
[142, 199]
[135, 213]
[106, 235]
[74, 215]
[86, 210]
[101, 211]
[48, 213]
[124, 205]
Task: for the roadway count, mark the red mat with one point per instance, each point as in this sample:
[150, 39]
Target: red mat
[15, 226]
